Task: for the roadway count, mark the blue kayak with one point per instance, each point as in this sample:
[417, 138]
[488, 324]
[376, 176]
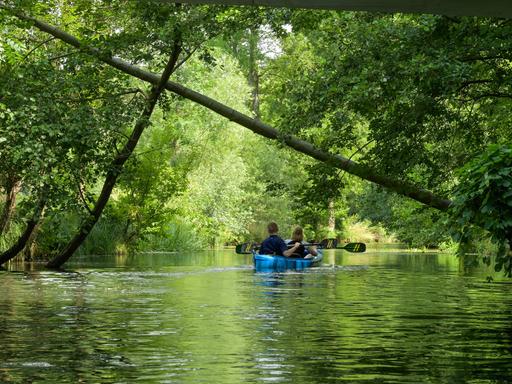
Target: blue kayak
[272, 263]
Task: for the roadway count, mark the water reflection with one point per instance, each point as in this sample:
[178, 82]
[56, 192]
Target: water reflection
[376, 317]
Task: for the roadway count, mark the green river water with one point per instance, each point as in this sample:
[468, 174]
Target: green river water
[379, 317]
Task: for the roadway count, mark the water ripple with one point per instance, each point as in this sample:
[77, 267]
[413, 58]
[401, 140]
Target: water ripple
[379, 318]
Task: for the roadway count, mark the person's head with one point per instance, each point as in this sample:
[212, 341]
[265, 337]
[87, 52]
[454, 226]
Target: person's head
[298, 234]
[272, 228]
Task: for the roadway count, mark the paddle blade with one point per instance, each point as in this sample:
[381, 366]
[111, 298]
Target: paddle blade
[355, 247]
[245, 248]
[328, 243]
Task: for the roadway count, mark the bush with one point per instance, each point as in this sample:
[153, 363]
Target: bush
[483, 198]
[176, 236]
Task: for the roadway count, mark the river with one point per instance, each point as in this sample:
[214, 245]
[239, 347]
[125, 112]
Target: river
[206, 317]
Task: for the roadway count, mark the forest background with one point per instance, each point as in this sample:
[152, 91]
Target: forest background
[422, 99]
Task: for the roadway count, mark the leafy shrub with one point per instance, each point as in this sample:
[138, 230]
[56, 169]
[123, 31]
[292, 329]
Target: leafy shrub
[483, 198]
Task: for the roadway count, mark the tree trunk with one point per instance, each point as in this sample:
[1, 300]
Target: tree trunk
[332, 217]
[508, 263]
[30, 246]
[403, 188]
[31, 225]
[117, 165]
[254, 78]
[13, 187]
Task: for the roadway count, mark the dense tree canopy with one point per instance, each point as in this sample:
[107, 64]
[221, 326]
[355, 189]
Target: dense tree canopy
[419, 94]
[410, 99]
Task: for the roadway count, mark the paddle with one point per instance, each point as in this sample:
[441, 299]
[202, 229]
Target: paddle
[247, 248]
[354, 247]
[333, 244]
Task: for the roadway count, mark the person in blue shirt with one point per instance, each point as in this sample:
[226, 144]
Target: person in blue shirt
[274, 245]
[301, 251]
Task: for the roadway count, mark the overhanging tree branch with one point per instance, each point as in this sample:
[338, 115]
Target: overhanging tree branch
[118, 163]
[421, 195]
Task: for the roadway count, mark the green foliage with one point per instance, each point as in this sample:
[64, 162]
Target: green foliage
[105, 237]
[367, 86]
[410, 222]
[362, 85]
[219, 181]
[56, 125]
[355, 230]
[177, 235]
[64, 122]
[369, 82]
[12, 235]
[483, 197]
[151, 178]
[418, 226]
